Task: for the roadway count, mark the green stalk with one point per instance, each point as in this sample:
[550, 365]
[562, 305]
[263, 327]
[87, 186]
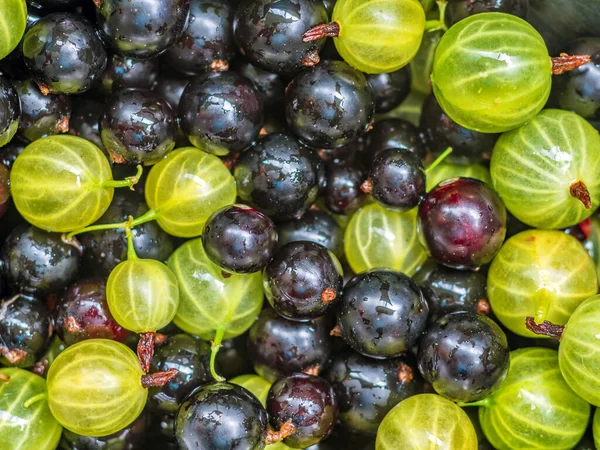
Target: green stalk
[127, 182]
[147, 217]
[35, 399]
[131, 254]
[214, 349]
[486, 402]
[438, 160]
[438, 24]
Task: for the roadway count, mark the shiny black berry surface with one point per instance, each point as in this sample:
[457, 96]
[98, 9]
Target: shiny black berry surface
[329, 105]
[366, 388]
[142, 28]
[37, 262]
[239, 239]
[303, 281]
[220, 416]
[342, 194]
[269, 33]
[207, 43]
[464, 356]
[280, 347]
[64, 53]
[10, 111]
[382, 313]
[309, 402]
[128, 73]
[25, 330]
[221, 112]
[393, 133]
[85, 119]
[390, 89]
[270, 85]
[279, 176]
[170, 88]
[460, 9]
[138, 127]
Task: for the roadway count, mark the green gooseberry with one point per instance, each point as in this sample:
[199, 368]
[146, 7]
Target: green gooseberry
[534, 407]
[12, 25]
[445, 171]
[426, 421]
[492, 72]
[547, 170]
[378, 237]
[539, 273]
[62, 183]
[596, 428]
[26, 422]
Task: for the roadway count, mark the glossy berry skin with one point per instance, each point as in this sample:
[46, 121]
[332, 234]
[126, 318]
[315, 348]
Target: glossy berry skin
[464, 356]
[25, 330]
[342, 194]
[314, 226]
[4, 192]
[221, 416]
[138, 127]
[448, 290]
[279, 176]
[141, 28]
[64, 54]
[239, 239]
[462, 222]
[329, 105]
[207, 43]
[269, 32]
[128, 73]
[382, 313]
[303, 281]
[366, 389]
[393, 133]
[104, 250]
[280, 347]
[390, 89]
[171, 89]
[82, 313]
[37, 262]
[221, 112]
[440, 132]
[85, 119]
[398, 179]
[42, 115]
[309, 402]
[270, 85]
[459, 9]
[233, 359]
[10, 111]
[188, 355]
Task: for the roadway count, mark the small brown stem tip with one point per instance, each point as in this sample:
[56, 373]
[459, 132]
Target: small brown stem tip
[218, 65]
[158, 379]
[545, 328]
[72, 326]
[483, 307]
[62, 126]
[39, 368]
[14, 356]
[145, 350]
[44, 89]
[405, 373]
[159, 338]
[312, 58]
[328, 295]
[336, 331]
[321, 31]
[367, 186]
[314, 370]
[287, 429]
[564, 62]
[580, 191]
[4, 378]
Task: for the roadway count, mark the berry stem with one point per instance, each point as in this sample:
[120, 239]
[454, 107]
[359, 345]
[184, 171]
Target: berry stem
[311, 59]
[127, 182]
[439, 23]
[483, 307]
[321, 31]
[36, 398]
[4, 378]
[438, 160]
[131, 254]
[145, 350]
[580, 191]
[564, 62]
[367, 186]
[146, 217]
[405, 373]
[481, 403]
[214, 349]
[158, 379]
[545, 328]
[287, 429]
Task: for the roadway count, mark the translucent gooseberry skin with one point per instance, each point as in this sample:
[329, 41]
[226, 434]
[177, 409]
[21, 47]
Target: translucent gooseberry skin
[255, 384]
[32, 428]
[445, 171]
[513, 416]
[94, 387]
[413, 422]
[377, 237]
[492, 72]
[579, 352]
[370, 33]
[13, 25]
[57, 183]
[186, 188]
[534, 166]
[142, 295]
[210, 301]
[596, 428]
[540, 274]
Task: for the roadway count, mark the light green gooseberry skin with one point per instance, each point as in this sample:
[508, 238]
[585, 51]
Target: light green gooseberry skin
[23, 426]
[94, 387]
[209, 302]
[445, 171]
[534, 407]
[378, 237]
[492, 72]
[596, 428]
[378, 36]
[185, 188]
[12, 26]
[426, 421]
[579, 351]
[541, 274]
[534, 167]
